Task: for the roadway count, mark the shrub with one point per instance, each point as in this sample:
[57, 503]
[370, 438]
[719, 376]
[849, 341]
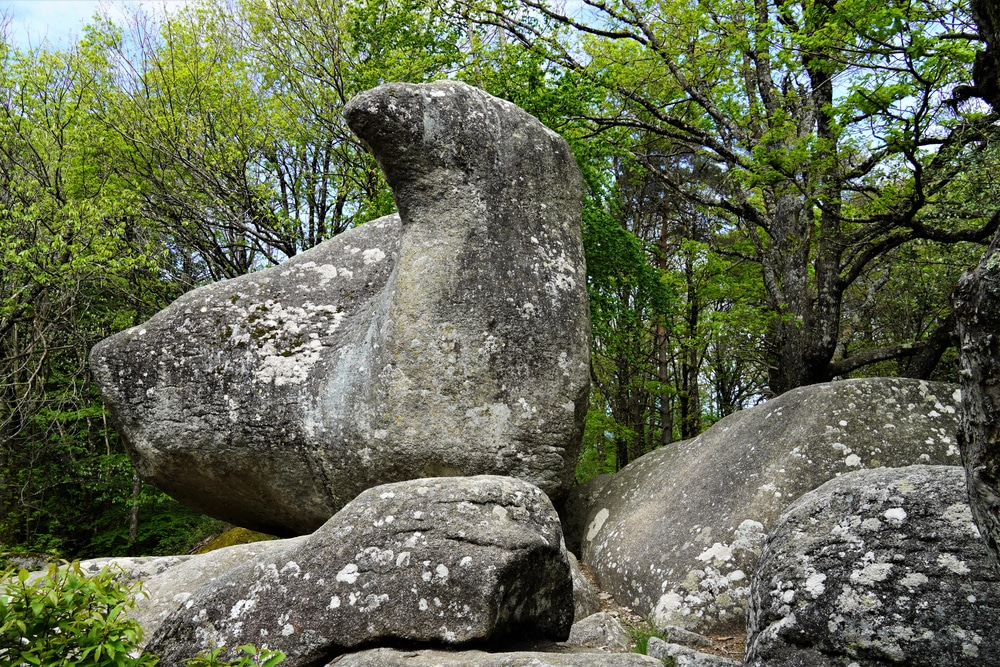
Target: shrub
[68, 619]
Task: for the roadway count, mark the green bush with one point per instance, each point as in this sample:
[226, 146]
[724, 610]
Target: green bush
[65, 618]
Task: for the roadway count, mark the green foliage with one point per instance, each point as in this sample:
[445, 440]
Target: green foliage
[67, 618]
[640, 634]
[252, 657]
[598, 451]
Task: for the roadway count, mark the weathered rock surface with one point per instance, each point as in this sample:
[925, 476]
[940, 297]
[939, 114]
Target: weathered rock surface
[452, 339]
[444, 561]
[682, 656]
[676, 534]
[601, 631]
[585, 600]
[168, 590]
[977, 313]
[877, 568]
[385, 657]
[575, 510]
[676, 635]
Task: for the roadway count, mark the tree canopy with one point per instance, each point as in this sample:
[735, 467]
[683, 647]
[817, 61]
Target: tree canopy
[778, 193]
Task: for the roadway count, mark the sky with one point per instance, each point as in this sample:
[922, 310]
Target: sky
[61, 21]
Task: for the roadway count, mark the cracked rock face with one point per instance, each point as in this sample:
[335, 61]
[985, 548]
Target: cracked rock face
[445, 561]
[452, 339]
[877, 568]
[676, 534]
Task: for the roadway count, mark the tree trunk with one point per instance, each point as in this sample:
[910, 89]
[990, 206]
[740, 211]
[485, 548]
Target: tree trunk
[133, 514]
[977, 310]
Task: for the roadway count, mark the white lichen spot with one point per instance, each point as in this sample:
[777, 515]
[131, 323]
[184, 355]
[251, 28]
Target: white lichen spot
[465, 562]
[422, 604]
[951, 562]
[287, 630]
[871, 524]
[814, 584]
[403, 559]
[717, 552]
[241, 607]
[372, 255]
[597, 523]
[914, 579]
[895, 516]
[871, 573]
[334, 602]
[853, 461]
[348, 574]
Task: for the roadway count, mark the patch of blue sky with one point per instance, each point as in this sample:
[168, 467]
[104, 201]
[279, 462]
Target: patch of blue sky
[59, 23]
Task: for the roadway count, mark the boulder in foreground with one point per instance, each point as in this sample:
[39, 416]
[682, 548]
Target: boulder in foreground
[877, 568]
[445, 561]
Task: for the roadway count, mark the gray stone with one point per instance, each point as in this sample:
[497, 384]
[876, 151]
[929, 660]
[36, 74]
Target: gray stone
[574, 511]
[682, 656]
[385, 657]
[449, 561]
[877, 568]
[125, 570]
[452, 339]
[168, 589]
[676, 534]
[602, 631]
[585, 600]
[976, 302]
[130, 570]
[677, 635]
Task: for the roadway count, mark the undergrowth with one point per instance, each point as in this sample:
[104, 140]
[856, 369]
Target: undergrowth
[65, 618]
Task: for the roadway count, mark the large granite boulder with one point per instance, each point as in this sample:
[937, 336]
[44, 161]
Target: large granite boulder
[452, 339]
[874, 569]
[676, 534]
[446, 561]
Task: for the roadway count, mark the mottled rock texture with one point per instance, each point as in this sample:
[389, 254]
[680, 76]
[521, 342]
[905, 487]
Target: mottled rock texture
[447, 561]
[676, 534]
[385, 657]
[601, 631]
[166, 589]
[585, 600]
[977, 312]
[452, 339]
[682, 656]
[877, 568]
